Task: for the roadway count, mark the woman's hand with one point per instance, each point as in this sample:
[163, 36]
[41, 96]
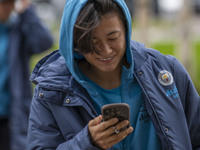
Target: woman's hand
[104, 134]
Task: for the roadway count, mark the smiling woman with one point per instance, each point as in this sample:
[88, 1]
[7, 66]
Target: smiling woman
[99, 64]
[110, 43]
[104, 50]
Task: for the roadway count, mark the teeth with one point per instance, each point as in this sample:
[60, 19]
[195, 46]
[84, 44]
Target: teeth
[105, 59]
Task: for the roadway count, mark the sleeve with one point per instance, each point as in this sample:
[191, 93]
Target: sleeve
[190, 100]
[80, 142]
[37, 37]
[44, 133]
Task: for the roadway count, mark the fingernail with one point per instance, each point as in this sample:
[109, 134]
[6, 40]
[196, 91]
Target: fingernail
[126, 122]
[131, 129]
[116, 119]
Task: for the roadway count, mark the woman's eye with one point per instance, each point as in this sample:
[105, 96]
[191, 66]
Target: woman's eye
[112, 39]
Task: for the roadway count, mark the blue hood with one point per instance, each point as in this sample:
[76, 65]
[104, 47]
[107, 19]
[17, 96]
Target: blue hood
[70, 14]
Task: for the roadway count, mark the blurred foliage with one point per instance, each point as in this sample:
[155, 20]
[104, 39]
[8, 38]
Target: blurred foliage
[197, 81]
[166, 48]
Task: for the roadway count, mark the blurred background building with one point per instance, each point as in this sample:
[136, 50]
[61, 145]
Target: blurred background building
[51, 9]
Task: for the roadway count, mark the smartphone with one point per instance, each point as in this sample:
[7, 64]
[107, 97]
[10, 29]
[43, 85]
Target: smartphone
[116, 110]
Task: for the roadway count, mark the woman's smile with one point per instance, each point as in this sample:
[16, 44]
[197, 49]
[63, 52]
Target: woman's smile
[107, 60]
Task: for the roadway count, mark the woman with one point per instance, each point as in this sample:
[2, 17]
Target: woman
[98, 65]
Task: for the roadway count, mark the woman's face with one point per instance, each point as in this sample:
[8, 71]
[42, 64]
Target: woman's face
[5, 10]
[110, 42]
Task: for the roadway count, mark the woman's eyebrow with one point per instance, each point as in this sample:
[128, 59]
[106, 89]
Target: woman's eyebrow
[110, 33]
[113, 32]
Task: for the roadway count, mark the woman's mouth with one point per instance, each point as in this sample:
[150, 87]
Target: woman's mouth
[106, 60]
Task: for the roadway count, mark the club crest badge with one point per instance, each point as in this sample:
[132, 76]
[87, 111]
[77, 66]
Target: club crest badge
[165, 78]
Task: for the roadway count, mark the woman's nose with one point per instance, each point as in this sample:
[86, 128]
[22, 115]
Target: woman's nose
[104, 49]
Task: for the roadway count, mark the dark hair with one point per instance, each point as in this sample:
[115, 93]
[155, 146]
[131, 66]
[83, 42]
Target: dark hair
[88, 19]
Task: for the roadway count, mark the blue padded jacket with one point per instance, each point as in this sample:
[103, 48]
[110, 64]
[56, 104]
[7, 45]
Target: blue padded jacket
[61, 107]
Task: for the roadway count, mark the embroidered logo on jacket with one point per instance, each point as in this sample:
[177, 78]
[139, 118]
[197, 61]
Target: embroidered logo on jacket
[165, 78]
[172, 92]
